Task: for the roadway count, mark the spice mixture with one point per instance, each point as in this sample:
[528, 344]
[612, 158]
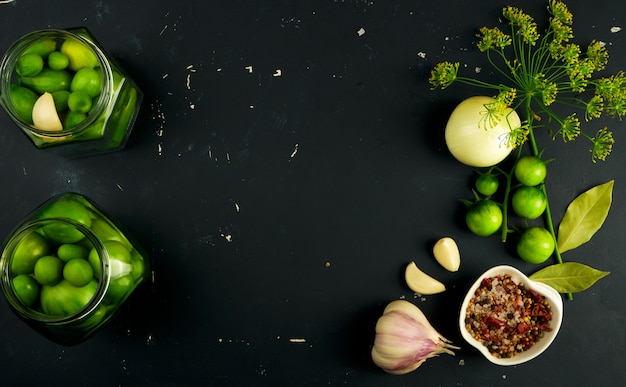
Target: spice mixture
[507, 317]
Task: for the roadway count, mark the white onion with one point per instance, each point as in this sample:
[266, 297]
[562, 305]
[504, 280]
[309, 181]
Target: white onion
[470, 142]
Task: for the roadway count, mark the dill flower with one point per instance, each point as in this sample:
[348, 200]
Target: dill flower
[559, 10]
[602, 145]
[598, 55]
[527, 28]
[594, 107]
[492, 38]
[570, 128]
[443, 74]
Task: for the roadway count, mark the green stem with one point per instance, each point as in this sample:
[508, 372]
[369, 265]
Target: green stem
[547, 213]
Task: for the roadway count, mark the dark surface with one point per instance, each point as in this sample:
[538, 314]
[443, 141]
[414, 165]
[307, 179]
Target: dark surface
[286, 207]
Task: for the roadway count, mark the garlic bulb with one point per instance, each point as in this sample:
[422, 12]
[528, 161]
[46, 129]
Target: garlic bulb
[405, 339]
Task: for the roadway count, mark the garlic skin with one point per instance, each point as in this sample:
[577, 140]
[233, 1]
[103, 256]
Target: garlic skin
[405, 339]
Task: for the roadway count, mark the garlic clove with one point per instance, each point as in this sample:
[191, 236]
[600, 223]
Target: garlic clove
[405, 339]
[447, 253]
[45, 116]
[420, 282]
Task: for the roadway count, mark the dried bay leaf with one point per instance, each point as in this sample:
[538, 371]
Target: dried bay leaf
[584, 216]
[568, 277]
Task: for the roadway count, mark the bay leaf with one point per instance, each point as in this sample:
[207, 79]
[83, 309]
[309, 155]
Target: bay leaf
[584, 216]
[568, 277]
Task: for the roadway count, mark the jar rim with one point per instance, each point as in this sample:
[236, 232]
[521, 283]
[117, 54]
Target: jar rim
[5, 270]
[6, 75]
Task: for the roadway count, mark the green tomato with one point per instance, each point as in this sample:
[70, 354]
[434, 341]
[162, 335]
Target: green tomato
[58, 60]
[68, 251]
[535, 245]
[530, 170]
[87, 80]
[65, 299]
[78, 272]
[68, 209]
[529, 202]
[106, 232]
[79, 102]
[484, 217]
[487, 184]
[26, 289]
[94, 261]
[73, 118]
[119, 288]
[48, 270]
[29, 65]
[32, 247]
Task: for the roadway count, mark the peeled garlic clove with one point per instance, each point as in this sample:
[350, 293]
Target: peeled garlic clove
[420, 282]
[405, 339]
[45, 116]
[447, 253]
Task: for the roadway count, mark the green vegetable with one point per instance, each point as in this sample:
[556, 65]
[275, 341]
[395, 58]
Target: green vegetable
[26, 289]
[69, 251]
[42, 47]
[530, 170]
[48, 81]
[67, 209]
[529, 202]
[60, 100]
[78, 272]
[79, 102]
[87, 80]
[535, 245]
[48, 270]
[23, 100]
[484, 217]
[487, 184]
[65, 299]
[568, 277]
[29, 65]
[584, 216]
[32, 247]
[58, 60]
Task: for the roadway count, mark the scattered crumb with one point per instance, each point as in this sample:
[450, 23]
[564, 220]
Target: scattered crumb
[165, 76]
[616, 29]
[237, 208]
[295, 150]
[327, 264]
[119, 187]
[278, 73]
[477, 70]
[249, 68]
[462, 362]
[421, 55]
[297, 340]
[361, 31]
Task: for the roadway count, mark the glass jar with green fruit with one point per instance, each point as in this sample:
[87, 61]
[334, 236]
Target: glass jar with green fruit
[67, 94]
[67, 269]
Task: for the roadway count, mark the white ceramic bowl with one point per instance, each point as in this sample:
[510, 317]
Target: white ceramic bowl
[556, 303]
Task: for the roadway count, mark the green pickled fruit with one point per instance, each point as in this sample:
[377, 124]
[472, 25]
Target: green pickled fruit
[88, 81]
[58, 60]
[23, 100]
[60, 100]
[65, 209]
[70, 251]
[48, 270]
[78, 272]
[26, 289]
[29, 65]
[73, 119]
[79, 102]
[42, 47]
[65, 299]
[79, 54]
[48, 81]
[32, 247]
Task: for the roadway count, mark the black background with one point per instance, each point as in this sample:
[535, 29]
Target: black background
[286, 207]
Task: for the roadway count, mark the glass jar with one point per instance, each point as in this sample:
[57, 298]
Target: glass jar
[95, 101]
[67, 269]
